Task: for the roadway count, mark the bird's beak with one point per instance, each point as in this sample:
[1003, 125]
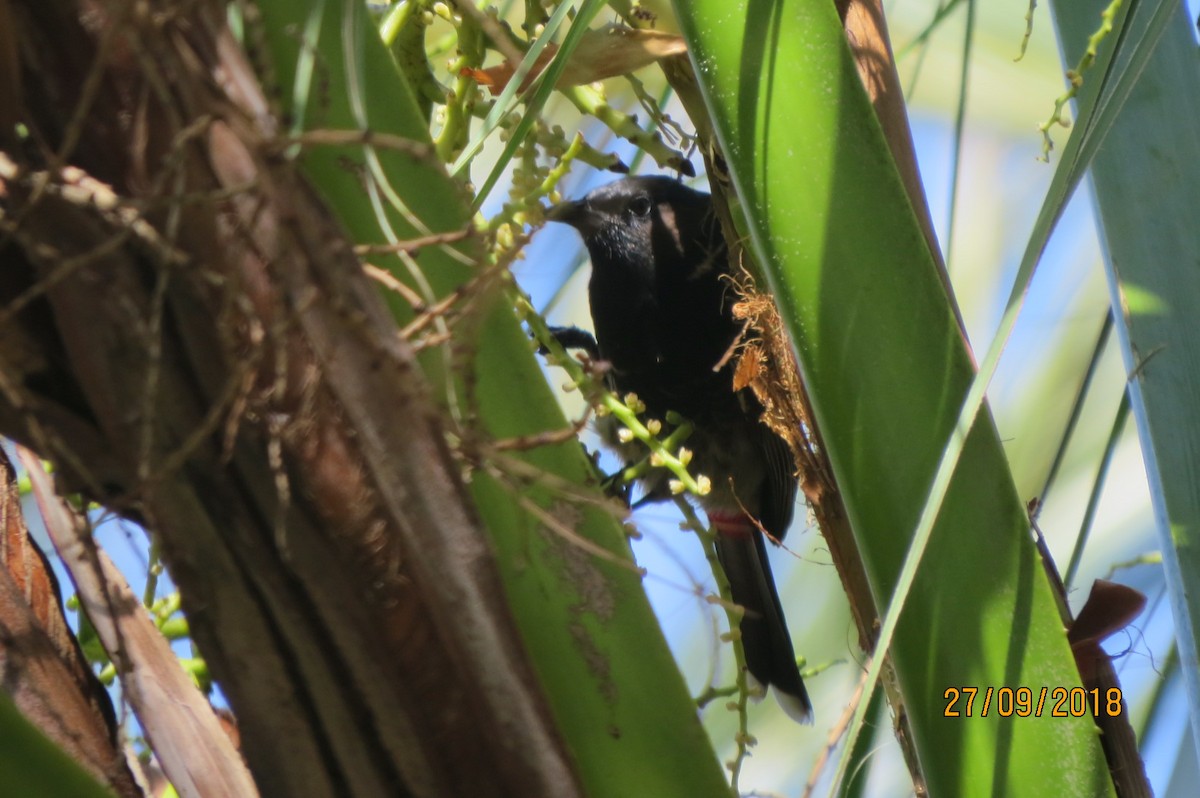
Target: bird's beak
[572, 212]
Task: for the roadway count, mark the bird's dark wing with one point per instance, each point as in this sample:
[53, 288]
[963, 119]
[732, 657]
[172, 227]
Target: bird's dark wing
[779, 487]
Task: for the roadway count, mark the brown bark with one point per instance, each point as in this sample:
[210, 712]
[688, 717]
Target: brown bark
[41, 666]
[187, 739]
[186, 333]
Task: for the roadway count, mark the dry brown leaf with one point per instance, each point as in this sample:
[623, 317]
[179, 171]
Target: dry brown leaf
[602, 53]
[1110, 607]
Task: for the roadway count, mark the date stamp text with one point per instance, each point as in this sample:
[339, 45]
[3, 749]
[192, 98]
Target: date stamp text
[1025, 702]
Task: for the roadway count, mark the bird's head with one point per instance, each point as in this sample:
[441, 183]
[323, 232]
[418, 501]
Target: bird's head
[642, 218]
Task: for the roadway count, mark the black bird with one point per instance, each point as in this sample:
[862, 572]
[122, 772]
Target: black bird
[661, 305]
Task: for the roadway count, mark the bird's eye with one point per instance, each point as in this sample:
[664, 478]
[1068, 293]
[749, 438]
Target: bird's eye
[640, 206]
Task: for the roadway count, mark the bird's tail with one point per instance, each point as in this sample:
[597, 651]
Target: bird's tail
[765, 639]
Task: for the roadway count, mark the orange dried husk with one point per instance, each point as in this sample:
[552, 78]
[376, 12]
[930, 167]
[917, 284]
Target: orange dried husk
[767, 365]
